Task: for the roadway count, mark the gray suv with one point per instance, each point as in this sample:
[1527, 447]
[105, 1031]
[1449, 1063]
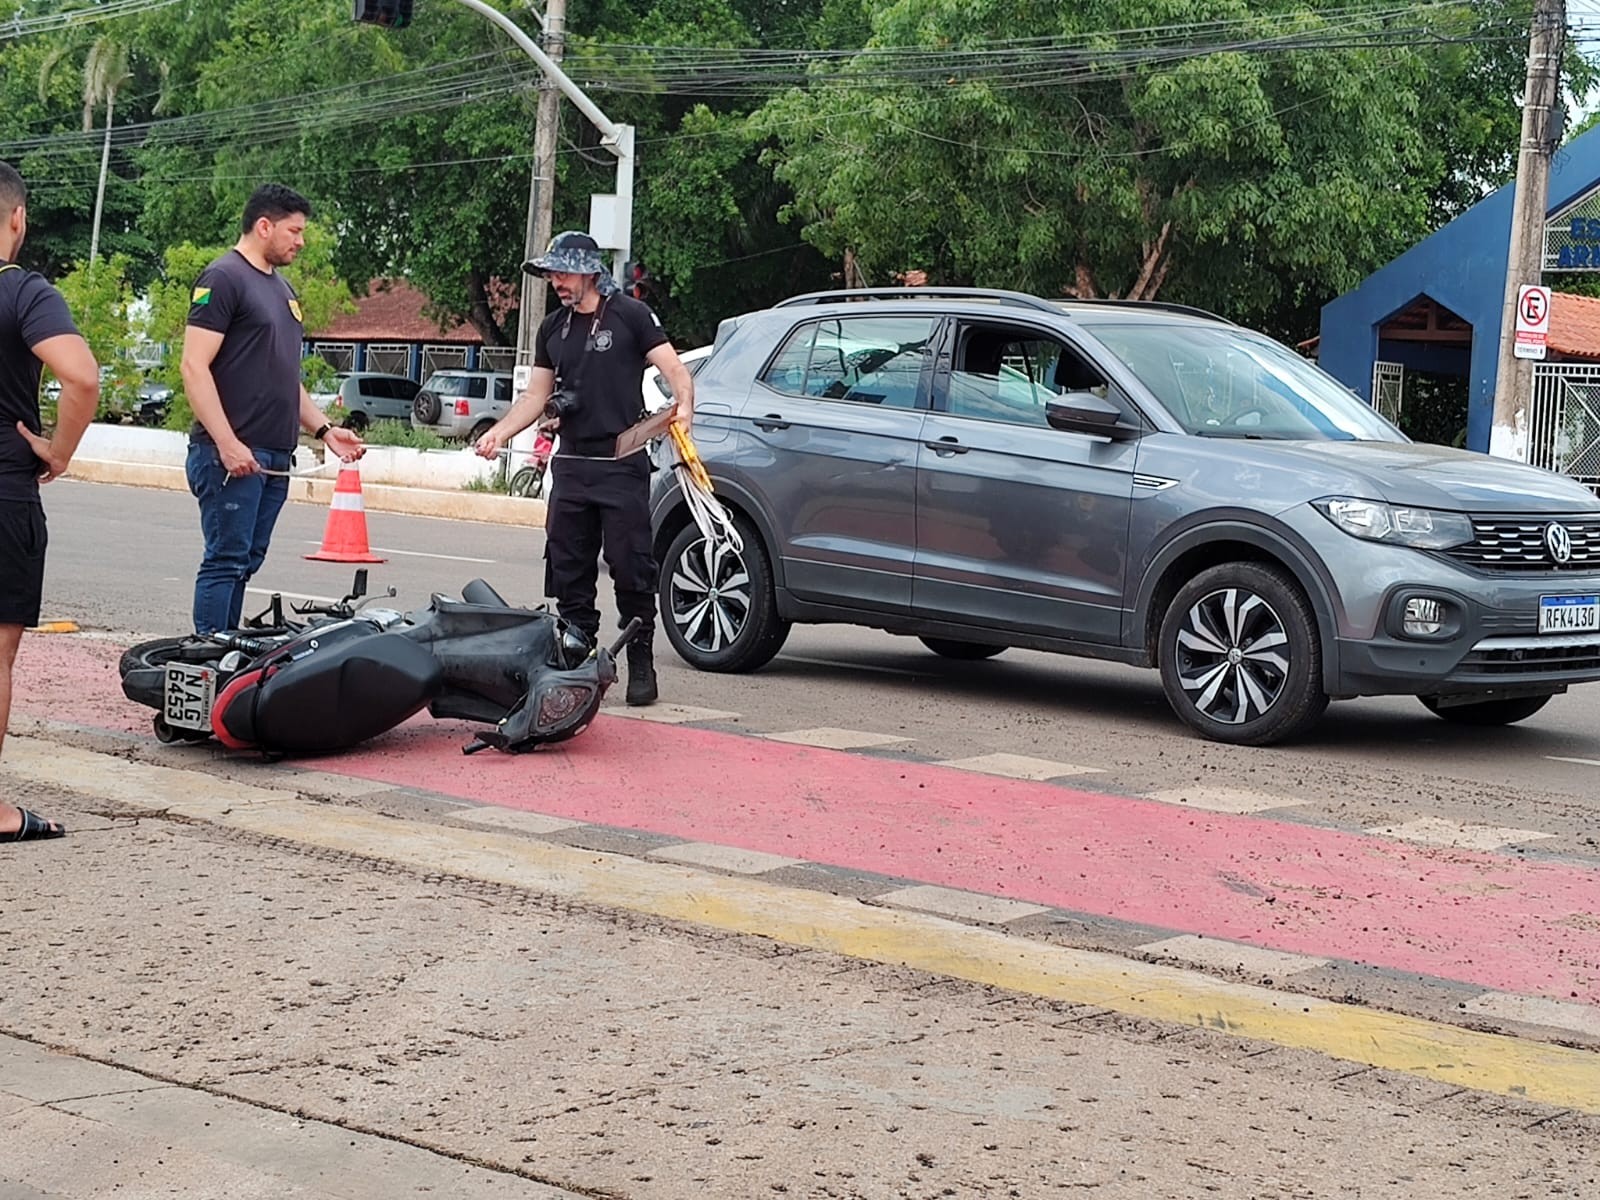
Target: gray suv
[1139, 482]
[462, 404]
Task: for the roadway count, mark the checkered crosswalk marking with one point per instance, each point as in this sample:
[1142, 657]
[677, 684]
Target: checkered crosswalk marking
[1197, 951]
[948, 902]
[1537, 1010]
[1018, 766]
[514, 818]
[828, 738]
[1433, 831]
[670, 714]
[723, 858]
[1224, 800]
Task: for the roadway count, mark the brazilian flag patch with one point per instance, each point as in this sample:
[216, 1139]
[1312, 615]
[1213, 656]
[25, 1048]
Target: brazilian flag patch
[201, 296]
[294, 307]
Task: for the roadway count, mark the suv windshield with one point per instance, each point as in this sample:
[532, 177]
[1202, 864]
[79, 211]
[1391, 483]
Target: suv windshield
[1220, 381]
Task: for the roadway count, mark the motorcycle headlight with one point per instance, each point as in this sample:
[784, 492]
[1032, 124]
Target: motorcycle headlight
[559, 703]
[1399, 525]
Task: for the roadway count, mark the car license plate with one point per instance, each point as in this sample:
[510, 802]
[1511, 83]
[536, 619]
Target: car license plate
[190, 691]
[1569, 614]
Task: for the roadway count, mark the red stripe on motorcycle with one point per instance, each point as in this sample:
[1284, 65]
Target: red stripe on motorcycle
[219, 707]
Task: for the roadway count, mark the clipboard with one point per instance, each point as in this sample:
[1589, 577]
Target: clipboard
[635, 437]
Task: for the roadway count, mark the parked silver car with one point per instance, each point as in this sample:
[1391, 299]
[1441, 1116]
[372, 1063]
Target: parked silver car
[1138, 482]
[359, 398]
[462, 404]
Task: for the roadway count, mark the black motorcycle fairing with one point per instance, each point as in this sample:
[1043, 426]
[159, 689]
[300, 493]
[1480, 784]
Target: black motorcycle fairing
[346, 684]
[489, 655]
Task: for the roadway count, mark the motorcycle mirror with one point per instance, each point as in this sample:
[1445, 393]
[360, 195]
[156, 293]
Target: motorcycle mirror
[360, 587]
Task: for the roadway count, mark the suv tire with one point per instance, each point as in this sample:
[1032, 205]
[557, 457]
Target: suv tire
[425, 408]
[1241, 661]
[356, 422]
[1487, 712]
[961, 651]
[715, 622]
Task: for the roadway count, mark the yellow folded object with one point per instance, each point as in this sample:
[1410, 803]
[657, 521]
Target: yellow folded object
[690, 457]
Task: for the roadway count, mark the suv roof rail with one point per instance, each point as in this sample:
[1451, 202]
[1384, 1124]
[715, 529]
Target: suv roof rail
[1164, 305]
[1020, 299]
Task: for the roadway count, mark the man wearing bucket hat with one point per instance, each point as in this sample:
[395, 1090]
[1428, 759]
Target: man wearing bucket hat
[589, 360]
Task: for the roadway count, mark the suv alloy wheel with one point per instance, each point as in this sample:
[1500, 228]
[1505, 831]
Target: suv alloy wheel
[717, 604]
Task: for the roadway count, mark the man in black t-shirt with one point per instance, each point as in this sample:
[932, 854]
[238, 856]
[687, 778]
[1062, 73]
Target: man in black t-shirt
[35, 329]
[241, 370]
[588, 369]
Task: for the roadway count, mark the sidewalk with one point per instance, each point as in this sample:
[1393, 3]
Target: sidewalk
[458, 505]
[422, 1005]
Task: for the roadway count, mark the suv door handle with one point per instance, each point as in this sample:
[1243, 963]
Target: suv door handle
[946, 446]
[770, 423]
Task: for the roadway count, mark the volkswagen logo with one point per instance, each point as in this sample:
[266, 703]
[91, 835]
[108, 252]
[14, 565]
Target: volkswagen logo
[1558, 541]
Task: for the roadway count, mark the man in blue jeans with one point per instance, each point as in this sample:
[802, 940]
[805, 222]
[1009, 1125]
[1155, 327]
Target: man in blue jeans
[241, 370]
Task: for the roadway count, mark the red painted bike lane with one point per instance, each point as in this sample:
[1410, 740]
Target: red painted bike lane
[1492, 920]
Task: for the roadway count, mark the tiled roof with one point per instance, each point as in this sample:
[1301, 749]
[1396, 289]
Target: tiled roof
[1575, 326]
[391, 311]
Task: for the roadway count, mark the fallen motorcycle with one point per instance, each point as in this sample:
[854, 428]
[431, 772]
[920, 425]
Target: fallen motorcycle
[349, 672]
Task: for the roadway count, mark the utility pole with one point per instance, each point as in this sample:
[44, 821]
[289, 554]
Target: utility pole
[1525, 257]
[542, 183]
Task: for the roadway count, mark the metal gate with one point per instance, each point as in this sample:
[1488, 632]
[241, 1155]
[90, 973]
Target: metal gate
[1388, 390]
[341, 356]
[442, 358]
[497, 358]
[389, 358]
[1564, 421]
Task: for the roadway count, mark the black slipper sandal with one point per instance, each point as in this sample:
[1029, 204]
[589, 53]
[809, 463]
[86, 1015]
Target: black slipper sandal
[34, 828]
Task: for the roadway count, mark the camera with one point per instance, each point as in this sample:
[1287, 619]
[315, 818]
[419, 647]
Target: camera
[563, 403]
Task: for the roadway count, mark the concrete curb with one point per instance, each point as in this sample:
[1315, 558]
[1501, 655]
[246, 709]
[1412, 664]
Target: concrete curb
[489, 507]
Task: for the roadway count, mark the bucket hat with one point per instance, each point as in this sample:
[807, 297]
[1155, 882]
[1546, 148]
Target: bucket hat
[569, 253]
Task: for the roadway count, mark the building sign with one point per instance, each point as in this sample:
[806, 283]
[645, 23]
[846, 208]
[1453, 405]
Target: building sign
[1572, 236]
[1533, 321]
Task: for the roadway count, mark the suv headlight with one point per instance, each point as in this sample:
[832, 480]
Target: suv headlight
[1423, 528]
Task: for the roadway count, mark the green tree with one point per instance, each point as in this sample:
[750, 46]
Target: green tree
[99, 297]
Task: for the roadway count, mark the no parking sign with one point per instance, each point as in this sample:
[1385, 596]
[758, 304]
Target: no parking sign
[1533, 321]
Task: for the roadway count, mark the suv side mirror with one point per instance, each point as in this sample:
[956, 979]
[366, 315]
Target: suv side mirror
[1084, 412]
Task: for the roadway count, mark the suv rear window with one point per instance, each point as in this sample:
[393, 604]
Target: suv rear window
[472, 386]
[869, 360]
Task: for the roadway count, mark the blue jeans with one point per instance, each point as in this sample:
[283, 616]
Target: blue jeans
[236, 519]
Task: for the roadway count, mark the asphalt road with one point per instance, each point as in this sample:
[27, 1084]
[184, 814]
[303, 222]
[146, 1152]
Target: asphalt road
[122, 559]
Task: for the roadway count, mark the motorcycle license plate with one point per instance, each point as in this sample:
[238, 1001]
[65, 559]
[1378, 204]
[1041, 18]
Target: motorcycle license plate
[1569, 614]
[190, 691]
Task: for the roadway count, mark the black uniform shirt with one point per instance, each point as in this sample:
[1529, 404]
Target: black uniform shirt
[601, 357]
[30, 312]
[257, 367]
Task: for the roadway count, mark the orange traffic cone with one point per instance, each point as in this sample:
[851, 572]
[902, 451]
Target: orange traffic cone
[345, 539]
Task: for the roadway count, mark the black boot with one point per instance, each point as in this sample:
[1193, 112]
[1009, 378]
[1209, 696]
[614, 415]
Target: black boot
[641, 673]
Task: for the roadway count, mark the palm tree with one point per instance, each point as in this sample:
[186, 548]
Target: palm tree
[105, 73]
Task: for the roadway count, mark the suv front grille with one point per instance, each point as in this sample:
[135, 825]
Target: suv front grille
[1518, 544]
[1531, 656]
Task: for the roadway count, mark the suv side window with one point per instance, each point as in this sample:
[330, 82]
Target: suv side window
[1008, 374]
[864, 360]
[502, 390]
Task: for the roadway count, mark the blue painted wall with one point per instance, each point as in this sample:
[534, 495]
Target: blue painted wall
[1463, 267]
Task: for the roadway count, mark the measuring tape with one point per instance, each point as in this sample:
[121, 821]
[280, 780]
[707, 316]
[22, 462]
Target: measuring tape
[713, 520]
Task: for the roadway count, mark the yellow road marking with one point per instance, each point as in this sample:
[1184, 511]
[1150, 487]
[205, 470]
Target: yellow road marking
[1507, 1066]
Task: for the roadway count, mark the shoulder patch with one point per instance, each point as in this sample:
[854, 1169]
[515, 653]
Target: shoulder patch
[294, 307]
[201, 296]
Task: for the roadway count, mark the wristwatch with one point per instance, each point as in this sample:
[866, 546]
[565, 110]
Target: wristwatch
[326, 425]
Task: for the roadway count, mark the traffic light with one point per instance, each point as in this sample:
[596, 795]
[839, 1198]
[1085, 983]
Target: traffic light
[396, 14]
[637, 281]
